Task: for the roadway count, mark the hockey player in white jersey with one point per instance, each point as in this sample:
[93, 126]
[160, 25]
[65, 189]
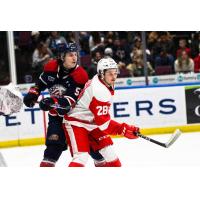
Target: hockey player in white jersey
[89, 123]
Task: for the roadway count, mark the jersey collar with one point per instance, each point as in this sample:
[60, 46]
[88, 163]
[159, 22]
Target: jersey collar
[108, 87]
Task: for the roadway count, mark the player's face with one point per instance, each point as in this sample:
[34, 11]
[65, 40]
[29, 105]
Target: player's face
[110, 76]
[70, 60]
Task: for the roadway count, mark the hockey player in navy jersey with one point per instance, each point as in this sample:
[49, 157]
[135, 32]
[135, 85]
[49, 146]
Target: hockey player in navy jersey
[64, 79]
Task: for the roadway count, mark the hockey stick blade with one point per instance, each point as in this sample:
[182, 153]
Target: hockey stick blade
[173, 138]
[2, 161]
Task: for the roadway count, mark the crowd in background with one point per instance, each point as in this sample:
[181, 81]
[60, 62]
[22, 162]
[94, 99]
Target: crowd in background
[167, 52]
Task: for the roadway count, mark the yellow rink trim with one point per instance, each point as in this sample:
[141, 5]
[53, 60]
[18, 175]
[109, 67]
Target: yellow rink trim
[146, 131]
[22, 142]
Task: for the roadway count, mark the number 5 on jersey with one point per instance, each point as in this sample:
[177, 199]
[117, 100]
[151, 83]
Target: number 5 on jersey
[77, 91]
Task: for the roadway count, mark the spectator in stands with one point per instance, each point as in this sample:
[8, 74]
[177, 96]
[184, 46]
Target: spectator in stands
[120, 52]
[70, 36]
[84, 43]
[197, 64]
[152, 39]
[161, 43]
[164, 59]
[123, 71]
[121, 55]
[35, 39]
[136, 68]
[137, 49]
[108, 52]
[98, 56]
[109, 39]
[195, 45]
[96, 42]
[93, 68]
[182, 47]
[163, 50]
[53, 40]
[184, 63]
[41, 56]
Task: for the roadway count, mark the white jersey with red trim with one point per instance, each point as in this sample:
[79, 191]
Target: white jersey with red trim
[92, 108]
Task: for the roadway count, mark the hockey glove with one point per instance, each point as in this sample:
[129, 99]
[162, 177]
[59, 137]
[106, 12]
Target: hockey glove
[62, 106]
[31, 97]
[128, 131]
[46, 104]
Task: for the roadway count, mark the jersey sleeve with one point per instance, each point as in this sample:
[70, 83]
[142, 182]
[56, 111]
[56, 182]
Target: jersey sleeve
[41, 84]
[50, 69]
[102, 117]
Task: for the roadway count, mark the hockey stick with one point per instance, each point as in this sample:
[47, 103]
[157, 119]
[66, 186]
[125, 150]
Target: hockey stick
[173, 138]
[57, 106]
[2, 161]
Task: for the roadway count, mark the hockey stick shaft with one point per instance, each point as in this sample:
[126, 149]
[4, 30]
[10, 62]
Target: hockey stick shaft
[57, 106]
[151, 140]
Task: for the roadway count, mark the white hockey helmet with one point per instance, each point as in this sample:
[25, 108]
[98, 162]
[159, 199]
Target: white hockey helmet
[106, 63]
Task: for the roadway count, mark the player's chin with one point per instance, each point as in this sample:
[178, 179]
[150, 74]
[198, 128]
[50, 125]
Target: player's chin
[72, 65]
[112, 83]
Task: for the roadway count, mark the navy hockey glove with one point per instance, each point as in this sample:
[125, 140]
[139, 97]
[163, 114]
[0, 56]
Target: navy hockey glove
[31, 97]
[62, 107]
[46, 104]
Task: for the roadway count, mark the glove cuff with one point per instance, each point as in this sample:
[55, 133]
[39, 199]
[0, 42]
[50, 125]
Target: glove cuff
[122, 129]
[34, 90]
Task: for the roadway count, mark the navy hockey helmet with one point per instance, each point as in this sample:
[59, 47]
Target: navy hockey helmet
[71, 47]
[63, 48]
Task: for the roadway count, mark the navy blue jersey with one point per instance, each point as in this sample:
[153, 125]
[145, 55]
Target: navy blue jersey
[63, 85]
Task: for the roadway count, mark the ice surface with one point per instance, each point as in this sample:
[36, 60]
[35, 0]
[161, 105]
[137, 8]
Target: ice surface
[184, 152]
